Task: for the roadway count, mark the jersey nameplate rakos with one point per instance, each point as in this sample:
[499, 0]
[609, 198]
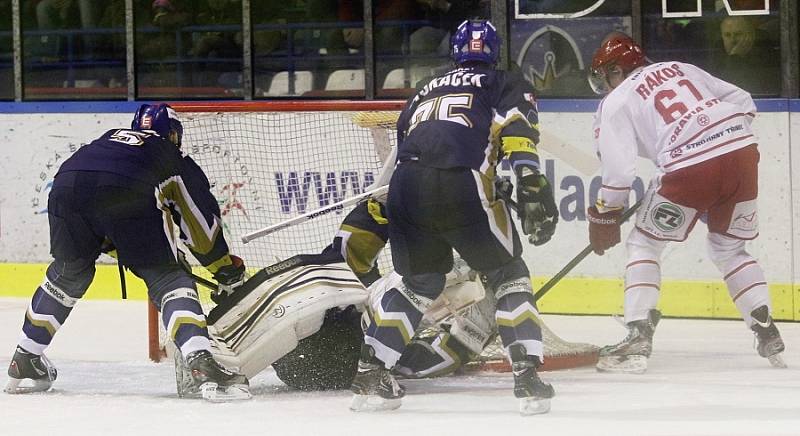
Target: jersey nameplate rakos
[672, 113]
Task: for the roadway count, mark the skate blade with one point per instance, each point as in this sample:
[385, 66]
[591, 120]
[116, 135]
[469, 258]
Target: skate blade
[216, 394]
[26, 386]
[776, 360]
[373, 403]
[533, 406]
[635, 364]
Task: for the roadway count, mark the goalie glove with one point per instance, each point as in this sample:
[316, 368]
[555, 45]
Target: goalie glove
[536, 206]
[229, 278]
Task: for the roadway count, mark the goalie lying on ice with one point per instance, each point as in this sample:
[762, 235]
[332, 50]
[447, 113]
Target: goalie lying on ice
[302, 316]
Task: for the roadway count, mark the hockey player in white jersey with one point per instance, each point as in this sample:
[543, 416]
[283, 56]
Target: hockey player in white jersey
[696, 129]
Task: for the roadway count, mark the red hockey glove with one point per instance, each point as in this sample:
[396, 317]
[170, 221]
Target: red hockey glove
[604, 230]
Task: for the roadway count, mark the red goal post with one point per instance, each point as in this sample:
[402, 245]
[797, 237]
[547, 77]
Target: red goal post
[268, 161]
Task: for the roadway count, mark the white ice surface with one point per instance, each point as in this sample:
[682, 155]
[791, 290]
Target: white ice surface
[704, 379]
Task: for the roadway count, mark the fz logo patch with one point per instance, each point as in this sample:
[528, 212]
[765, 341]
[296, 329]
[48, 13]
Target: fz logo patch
[668, 217]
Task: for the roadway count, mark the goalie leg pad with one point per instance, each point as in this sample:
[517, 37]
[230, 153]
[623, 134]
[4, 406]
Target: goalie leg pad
[279, 311]
[432, 356]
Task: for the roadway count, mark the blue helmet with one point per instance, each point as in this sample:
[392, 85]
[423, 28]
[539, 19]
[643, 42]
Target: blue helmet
[160, 118]
[475, 40]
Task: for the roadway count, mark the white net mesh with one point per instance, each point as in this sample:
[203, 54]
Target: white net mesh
[266, 167]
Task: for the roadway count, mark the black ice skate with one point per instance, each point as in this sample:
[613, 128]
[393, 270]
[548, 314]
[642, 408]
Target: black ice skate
[374, 387]
[202, 376]
[630, 355]
[770, 344]
[534, 394]
[29, 372]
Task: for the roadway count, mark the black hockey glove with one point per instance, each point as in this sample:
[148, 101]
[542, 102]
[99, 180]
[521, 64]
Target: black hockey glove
[536, 205]
[230, 276]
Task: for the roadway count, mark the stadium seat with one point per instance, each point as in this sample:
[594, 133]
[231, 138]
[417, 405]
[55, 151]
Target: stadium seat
[419, 73]
[395, 79]
[345, 80]
[303, 82]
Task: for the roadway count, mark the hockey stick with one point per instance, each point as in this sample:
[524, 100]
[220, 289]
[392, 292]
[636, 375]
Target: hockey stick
[577, 259]
[188, 268]
[313, 214]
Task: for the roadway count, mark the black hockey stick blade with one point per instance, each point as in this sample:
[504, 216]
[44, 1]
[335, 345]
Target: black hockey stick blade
[205, 282]
[577, 259]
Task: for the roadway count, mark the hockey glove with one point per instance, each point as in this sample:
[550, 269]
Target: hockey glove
[604, 231]
[230, 276]
[536, 206]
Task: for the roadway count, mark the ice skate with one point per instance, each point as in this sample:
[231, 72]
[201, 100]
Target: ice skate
[202, 376]
[630, 355]
[533, 393]
[29, 372]
[770, 345]
[374, 387]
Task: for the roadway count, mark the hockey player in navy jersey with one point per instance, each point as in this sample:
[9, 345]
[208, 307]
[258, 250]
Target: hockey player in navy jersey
[125, 193]
[451, 135]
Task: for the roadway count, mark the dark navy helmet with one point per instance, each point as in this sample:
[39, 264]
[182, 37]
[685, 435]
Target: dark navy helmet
[475, 40]
[159, 118]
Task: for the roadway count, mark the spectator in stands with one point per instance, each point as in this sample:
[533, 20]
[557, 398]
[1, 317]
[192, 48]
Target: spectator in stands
[389, 38]
[445, 16]
[746, 57]
[167, 16]
[223, 47]
[218, 43]
[113, 17]
[156, 39]
[305, 40]
[302, 26]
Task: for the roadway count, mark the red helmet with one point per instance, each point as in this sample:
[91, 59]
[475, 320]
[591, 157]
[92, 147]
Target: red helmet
[618, 50]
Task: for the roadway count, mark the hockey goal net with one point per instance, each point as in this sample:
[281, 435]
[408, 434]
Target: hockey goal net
[271, 161]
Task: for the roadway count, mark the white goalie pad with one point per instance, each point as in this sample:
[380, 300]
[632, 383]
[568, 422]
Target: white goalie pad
[462, 290]
[269, 317]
